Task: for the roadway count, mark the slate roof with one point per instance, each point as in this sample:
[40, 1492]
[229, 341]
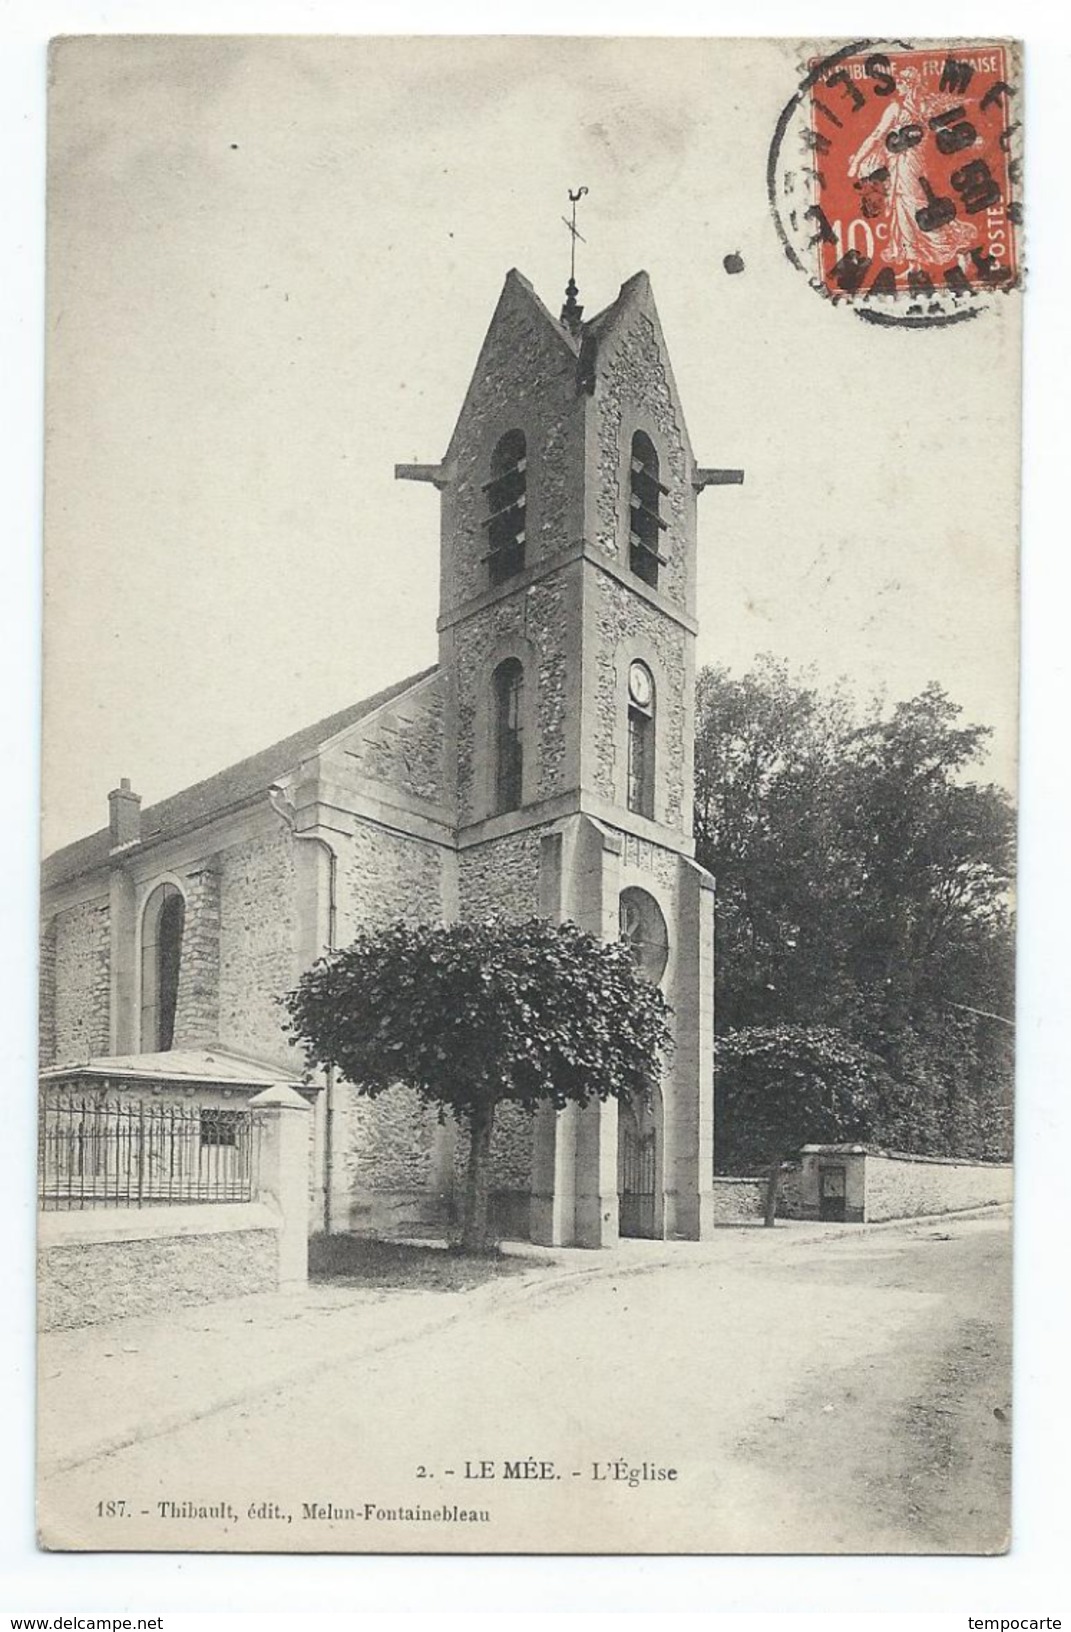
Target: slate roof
[222, 791]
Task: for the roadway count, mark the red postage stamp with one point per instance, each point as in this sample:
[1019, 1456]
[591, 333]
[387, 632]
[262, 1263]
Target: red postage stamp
[914, 172]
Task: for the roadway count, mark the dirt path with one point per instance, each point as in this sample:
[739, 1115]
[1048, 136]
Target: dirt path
[908, 1449]
[820, 1395]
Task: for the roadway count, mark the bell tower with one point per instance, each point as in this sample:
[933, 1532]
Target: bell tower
[566, 639]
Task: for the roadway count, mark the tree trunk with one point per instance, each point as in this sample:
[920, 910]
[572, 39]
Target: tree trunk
[474, 1220]
[773, 1188]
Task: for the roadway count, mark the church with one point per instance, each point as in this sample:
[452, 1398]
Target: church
[542, 766]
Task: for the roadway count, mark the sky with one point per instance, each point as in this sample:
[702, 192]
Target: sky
[271, 266]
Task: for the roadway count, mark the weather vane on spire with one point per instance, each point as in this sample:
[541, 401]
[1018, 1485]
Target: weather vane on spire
[571, 311]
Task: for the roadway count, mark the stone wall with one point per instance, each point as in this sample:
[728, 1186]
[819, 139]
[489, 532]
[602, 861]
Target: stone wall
[546, 611]
[258, 955]
[389, 1177]
[80, 1023]
[501, 876]
[901, 1186]
[82, 1284]
[892, 1184]
[197, 1018]
[738, 1201]
[402, 743]
[101, 1261]
[386, 1143]
[387, 875]
[46, 999]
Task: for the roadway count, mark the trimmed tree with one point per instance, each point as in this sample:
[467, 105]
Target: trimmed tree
[780, 1087]
[475, 1015]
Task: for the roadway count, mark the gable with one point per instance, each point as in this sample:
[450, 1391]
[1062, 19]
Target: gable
[523, 330]
[624, 347]
[399, 745]
[224, 791]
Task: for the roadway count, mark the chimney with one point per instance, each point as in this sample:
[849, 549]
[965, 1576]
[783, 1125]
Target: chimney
[124, 815]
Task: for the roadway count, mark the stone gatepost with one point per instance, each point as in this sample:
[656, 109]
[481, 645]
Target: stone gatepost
[574, 1161]
[285, 1131]
[689, 1128]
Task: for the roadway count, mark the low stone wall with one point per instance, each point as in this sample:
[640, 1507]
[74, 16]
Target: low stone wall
[738, 1201]
[102, 1262]
[903, 1186]
[877, 1185]
[118, 1263]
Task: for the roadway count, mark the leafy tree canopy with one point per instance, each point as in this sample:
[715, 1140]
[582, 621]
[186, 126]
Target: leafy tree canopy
[863, 883]
[786, 1086]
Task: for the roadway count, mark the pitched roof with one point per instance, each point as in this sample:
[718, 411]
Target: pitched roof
[222, 791]
[179, 1065]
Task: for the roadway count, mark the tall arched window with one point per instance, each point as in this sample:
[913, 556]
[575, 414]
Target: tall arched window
[506, 501]
[641, 740]
[508, 685]
[645, 501]
[161, 955]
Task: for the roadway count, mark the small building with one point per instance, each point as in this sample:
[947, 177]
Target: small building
[543, 765]
[862, 1184]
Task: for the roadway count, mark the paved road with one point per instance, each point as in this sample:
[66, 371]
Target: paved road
[842, 1394]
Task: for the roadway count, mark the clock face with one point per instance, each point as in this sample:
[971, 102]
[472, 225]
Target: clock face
[639, 685]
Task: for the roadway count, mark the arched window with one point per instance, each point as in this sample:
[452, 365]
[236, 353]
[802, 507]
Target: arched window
[641, 740]
[161, 955]
[645, 500]
[506, 500]
[509, 735]
[643, 929]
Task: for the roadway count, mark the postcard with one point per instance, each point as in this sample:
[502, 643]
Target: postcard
[530, 743]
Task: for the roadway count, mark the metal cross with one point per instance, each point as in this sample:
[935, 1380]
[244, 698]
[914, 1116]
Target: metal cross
[573, 234]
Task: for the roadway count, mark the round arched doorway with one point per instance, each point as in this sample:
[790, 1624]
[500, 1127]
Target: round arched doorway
[639, 1168]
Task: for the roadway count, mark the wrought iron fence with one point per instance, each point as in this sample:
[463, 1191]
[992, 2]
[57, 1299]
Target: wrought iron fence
[95, 1152]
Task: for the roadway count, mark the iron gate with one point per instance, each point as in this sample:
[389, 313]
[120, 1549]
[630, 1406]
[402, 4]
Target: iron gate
[637, 1195]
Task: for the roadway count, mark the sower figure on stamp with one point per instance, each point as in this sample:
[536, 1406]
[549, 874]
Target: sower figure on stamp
[895, 146]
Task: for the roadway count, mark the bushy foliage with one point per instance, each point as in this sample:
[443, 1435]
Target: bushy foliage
[780, 1087]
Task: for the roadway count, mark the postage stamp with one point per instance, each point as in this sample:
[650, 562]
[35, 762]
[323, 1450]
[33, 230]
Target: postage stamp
[895, 179]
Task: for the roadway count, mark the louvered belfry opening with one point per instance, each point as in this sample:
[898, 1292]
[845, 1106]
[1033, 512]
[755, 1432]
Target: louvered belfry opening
[507, 498]
[645, 520]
